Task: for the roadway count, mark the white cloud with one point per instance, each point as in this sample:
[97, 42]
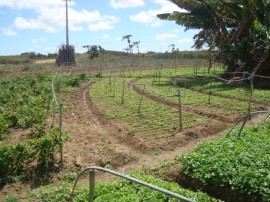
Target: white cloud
[33, 4]
[8, 32]
[165, 36]
[126, 3]
[150, 16]
[51, 16]
[143, 17]
[99, 26]
[34, 41]
[168, 7]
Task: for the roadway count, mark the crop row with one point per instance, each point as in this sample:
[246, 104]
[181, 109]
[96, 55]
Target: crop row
[214, 104]
[241, 91]
[239, 162]
[153, 119]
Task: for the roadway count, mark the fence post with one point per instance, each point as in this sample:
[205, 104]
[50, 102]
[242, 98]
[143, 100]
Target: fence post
[170, 81]
[60, 126]
[91, 185]
[123, 91]
[110, 81]
[141, 99]
[249, 105]
[209, 94]
[180, 110]
[114, 88]
[53, 111]
[159, 75]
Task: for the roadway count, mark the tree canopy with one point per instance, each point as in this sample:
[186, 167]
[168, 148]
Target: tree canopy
[94, 51]
[238, 29]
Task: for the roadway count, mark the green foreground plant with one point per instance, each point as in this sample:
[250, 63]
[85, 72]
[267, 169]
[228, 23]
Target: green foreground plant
[119, 190]
[241, 163]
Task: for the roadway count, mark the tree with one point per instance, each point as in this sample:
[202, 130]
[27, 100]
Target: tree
[238, 29]
[136, 43]
[93, 51]
[127, 37]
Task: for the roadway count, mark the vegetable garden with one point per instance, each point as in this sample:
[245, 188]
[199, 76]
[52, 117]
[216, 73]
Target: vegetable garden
[162, 109]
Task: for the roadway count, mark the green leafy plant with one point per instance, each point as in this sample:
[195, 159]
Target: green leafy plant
[37, 131]
[119, 190]
[15, 158]
[241, 163]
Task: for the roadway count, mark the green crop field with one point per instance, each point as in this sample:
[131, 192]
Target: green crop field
[153, 121]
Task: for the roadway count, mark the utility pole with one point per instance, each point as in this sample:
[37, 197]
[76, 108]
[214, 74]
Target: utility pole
[67, 38]
[66, 52]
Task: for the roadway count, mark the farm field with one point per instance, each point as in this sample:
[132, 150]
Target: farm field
[112, 121]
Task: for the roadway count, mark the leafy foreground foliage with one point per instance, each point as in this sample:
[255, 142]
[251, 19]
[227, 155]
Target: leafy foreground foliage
[241, 163]
[120, 190]
[15, 158]
[23, 102]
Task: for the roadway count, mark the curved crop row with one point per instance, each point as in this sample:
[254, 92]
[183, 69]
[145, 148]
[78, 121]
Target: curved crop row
[214, 104]
[153, 121]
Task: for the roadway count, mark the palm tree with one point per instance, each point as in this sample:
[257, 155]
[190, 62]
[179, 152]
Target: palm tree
[136, 43]
[127, 37]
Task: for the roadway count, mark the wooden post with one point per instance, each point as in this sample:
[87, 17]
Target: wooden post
[114, 88]
[170, 81]
[249, 106]
[159, 75]
[60, 127]
[91, 185]
[209, 94]
[185, 87]
[110, 81]
[141, 99]
[180, 110]
[123, 91]
[53, 114]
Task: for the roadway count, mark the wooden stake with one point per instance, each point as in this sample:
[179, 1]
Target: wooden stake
[60, 126]
[123, 92]
[180, 110]
[139, 109]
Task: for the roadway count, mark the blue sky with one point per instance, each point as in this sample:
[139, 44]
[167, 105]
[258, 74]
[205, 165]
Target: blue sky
[39, 25]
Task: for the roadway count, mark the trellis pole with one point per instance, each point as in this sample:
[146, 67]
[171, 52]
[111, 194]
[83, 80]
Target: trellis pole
[60, 126]
[141, 98]
[180, 110]
[123, 91]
